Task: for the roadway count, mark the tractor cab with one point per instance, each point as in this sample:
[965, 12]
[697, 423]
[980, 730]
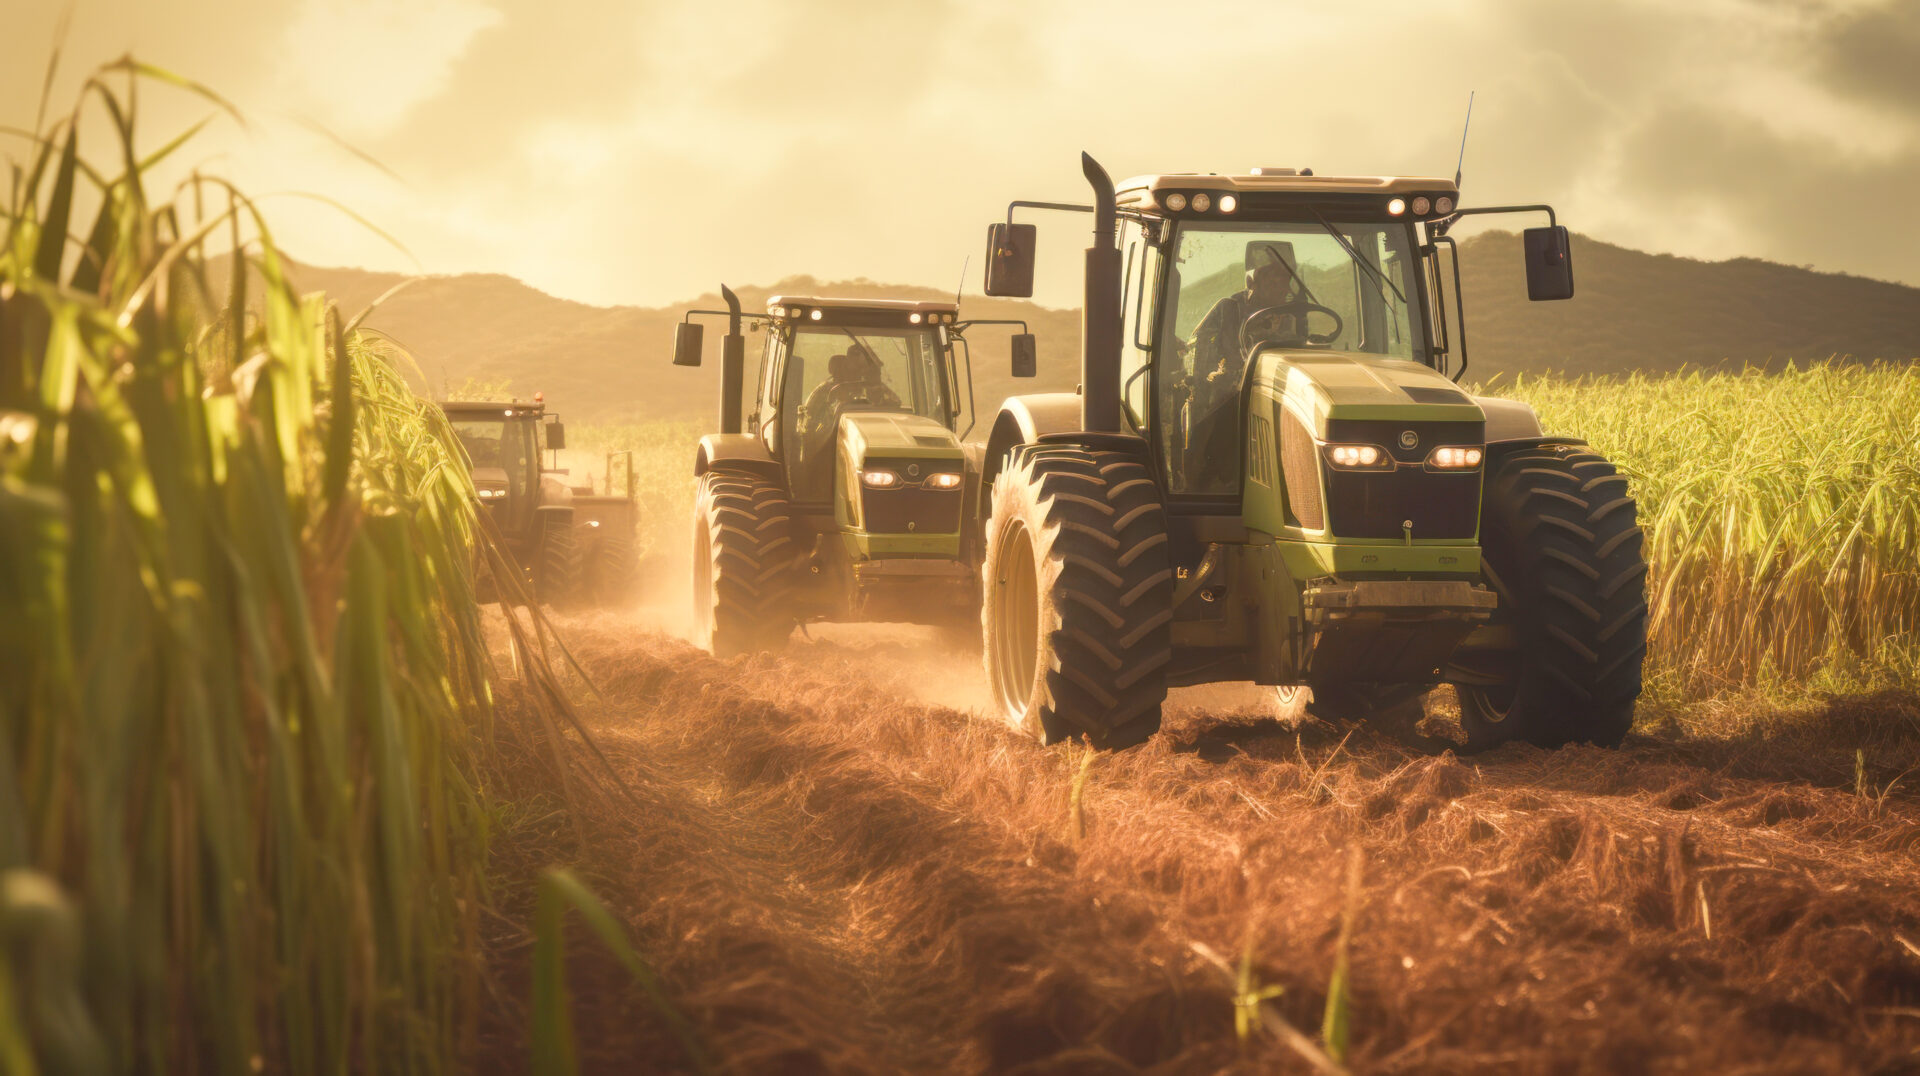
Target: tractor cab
[863, 369]
[507, 440]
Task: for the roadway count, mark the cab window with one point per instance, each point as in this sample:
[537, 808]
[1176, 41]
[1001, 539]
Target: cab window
[834, 371]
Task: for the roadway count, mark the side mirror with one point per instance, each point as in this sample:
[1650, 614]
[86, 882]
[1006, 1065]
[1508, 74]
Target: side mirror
[687, 338]
[556, 435]
[1549, 263]
[1010, 259]
[1026, 355]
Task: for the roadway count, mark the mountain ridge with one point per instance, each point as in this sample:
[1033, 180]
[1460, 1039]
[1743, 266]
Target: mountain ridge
[1631, 311]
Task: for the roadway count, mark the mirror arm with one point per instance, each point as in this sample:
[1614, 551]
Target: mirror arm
[1070, 207]
[958, 328]
[726, 314]
[1441, 226]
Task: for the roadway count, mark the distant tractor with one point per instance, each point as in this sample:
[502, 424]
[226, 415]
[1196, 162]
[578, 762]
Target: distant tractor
[1269, 476]
[841, 496]
[574, 546]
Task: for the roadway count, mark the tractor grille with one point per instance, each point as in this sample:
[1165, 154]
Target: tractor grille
[1374, 504]
[1301, 465]
[929, 511]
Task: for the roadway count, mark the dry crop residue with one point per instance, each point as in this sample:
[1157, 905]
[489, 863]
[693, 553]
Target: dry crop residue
[833, 871]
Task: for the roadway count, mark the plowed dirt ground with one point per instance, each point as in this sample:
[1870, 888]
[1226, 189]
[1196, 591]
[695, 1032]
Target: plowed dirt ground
[838, 863]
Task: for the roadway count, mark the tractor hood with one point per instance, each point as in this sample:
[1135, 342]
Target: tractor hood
[890, 435]
[491, 479]
[1326, 385]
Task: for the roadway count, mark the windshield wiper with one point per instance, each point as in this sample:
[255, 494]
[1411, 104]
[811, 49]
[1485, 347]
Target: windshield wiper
[1377, 276]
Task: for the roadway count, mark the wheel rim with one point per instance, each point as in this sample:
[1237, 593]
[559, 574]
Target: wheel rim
[1494, 704]
[1016, 620]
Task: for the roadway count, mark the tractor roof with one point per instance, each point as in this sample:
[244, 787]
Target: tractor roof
[492, 408]
[1270, 186]
[805, 302]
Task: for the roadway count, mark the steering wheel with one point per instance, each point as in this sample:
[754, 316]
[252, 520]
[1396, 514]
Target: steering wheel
[1295, 306]
[820, 409]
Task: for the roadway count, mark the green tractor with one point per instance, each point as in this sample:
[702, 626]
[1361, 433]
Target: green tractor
[1271, 475]
[529, 504]
[841, 495]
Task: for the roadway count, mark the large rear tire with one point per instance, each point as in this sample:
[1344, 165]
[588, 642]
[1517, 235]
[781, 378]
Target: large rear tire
[556, 569]
[1562, 548]
[743, 556]
[1077, 596]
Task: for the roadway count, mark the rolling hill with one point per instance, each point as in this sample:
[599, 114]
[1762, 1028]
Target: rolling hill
[1633, 311]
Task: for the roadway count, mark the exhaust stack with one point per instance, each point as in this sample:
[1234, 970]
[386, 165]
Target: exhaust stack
[733, 364]
[1100, 311]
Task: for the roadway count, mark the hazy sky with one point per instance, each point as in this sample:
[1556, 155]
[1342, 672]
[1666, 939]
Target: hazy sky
[642, 152]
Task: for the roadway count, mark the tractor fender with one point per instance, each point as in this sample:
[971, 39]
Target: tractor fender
[1509, 420]
[1512, 425]
[736, 452]
[554, 513]
[1024, 420]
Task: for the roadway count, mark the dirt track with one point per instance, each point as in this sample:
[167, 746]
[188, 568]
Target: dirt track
[836, 866]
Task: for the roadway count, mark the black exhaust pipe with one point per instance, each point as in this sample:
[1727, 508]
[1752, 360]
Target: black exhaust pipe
[733, 364]
[1100, 311]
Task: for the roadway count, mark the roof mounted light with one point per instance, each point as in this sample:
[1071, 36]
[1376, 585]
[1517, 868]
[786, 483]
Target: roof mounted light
[1228, 203]
[913, 318]
[1176, 201]
[1421, 205]
[779, 311]
[1444, 205]
[815, 315]
[1397, 207]
[1202, 203]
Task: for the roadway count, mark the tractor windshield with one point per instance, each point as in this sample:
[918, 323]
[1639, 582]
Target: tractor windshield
[496, 442]
[834, 370]
[1234, 288]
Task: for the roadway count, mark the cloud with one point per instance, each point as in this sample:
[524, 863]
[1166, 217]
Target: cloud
[1874, 53]
[361, 66]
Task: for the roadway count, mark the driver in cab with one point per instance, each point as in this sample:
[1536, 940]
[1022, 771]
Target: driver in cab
[1219, 361]
[1216, 340]
[854, 382]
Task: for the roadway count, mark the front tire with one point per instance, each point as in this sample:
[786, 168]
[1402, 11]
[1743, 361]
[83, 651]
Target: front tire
[743, 556]
[1077, 596]
[1562, 548]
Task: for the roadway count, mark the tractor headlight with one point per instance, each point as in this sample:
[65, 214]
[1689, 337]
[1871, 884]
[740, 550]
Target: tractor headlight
[913, 319]
[1228, 203]
[491, 494]
[1444, 205]
[1201, 203]
[1421, 205]
[1176, 201]
[1455, 458]
[879, 479]
[1396, 207]
[1359, 458]
[943, 480]
[814, 314]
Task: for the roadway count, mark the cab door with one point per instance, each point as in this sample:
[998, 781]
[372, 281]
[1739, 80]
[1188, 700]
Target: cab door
[1140, 293]
[768, 414]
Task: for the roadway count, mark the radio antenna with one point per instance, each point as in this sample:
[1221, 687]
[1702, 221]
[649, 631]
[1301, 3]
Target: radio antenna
[1461, 164]
[962, 286]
